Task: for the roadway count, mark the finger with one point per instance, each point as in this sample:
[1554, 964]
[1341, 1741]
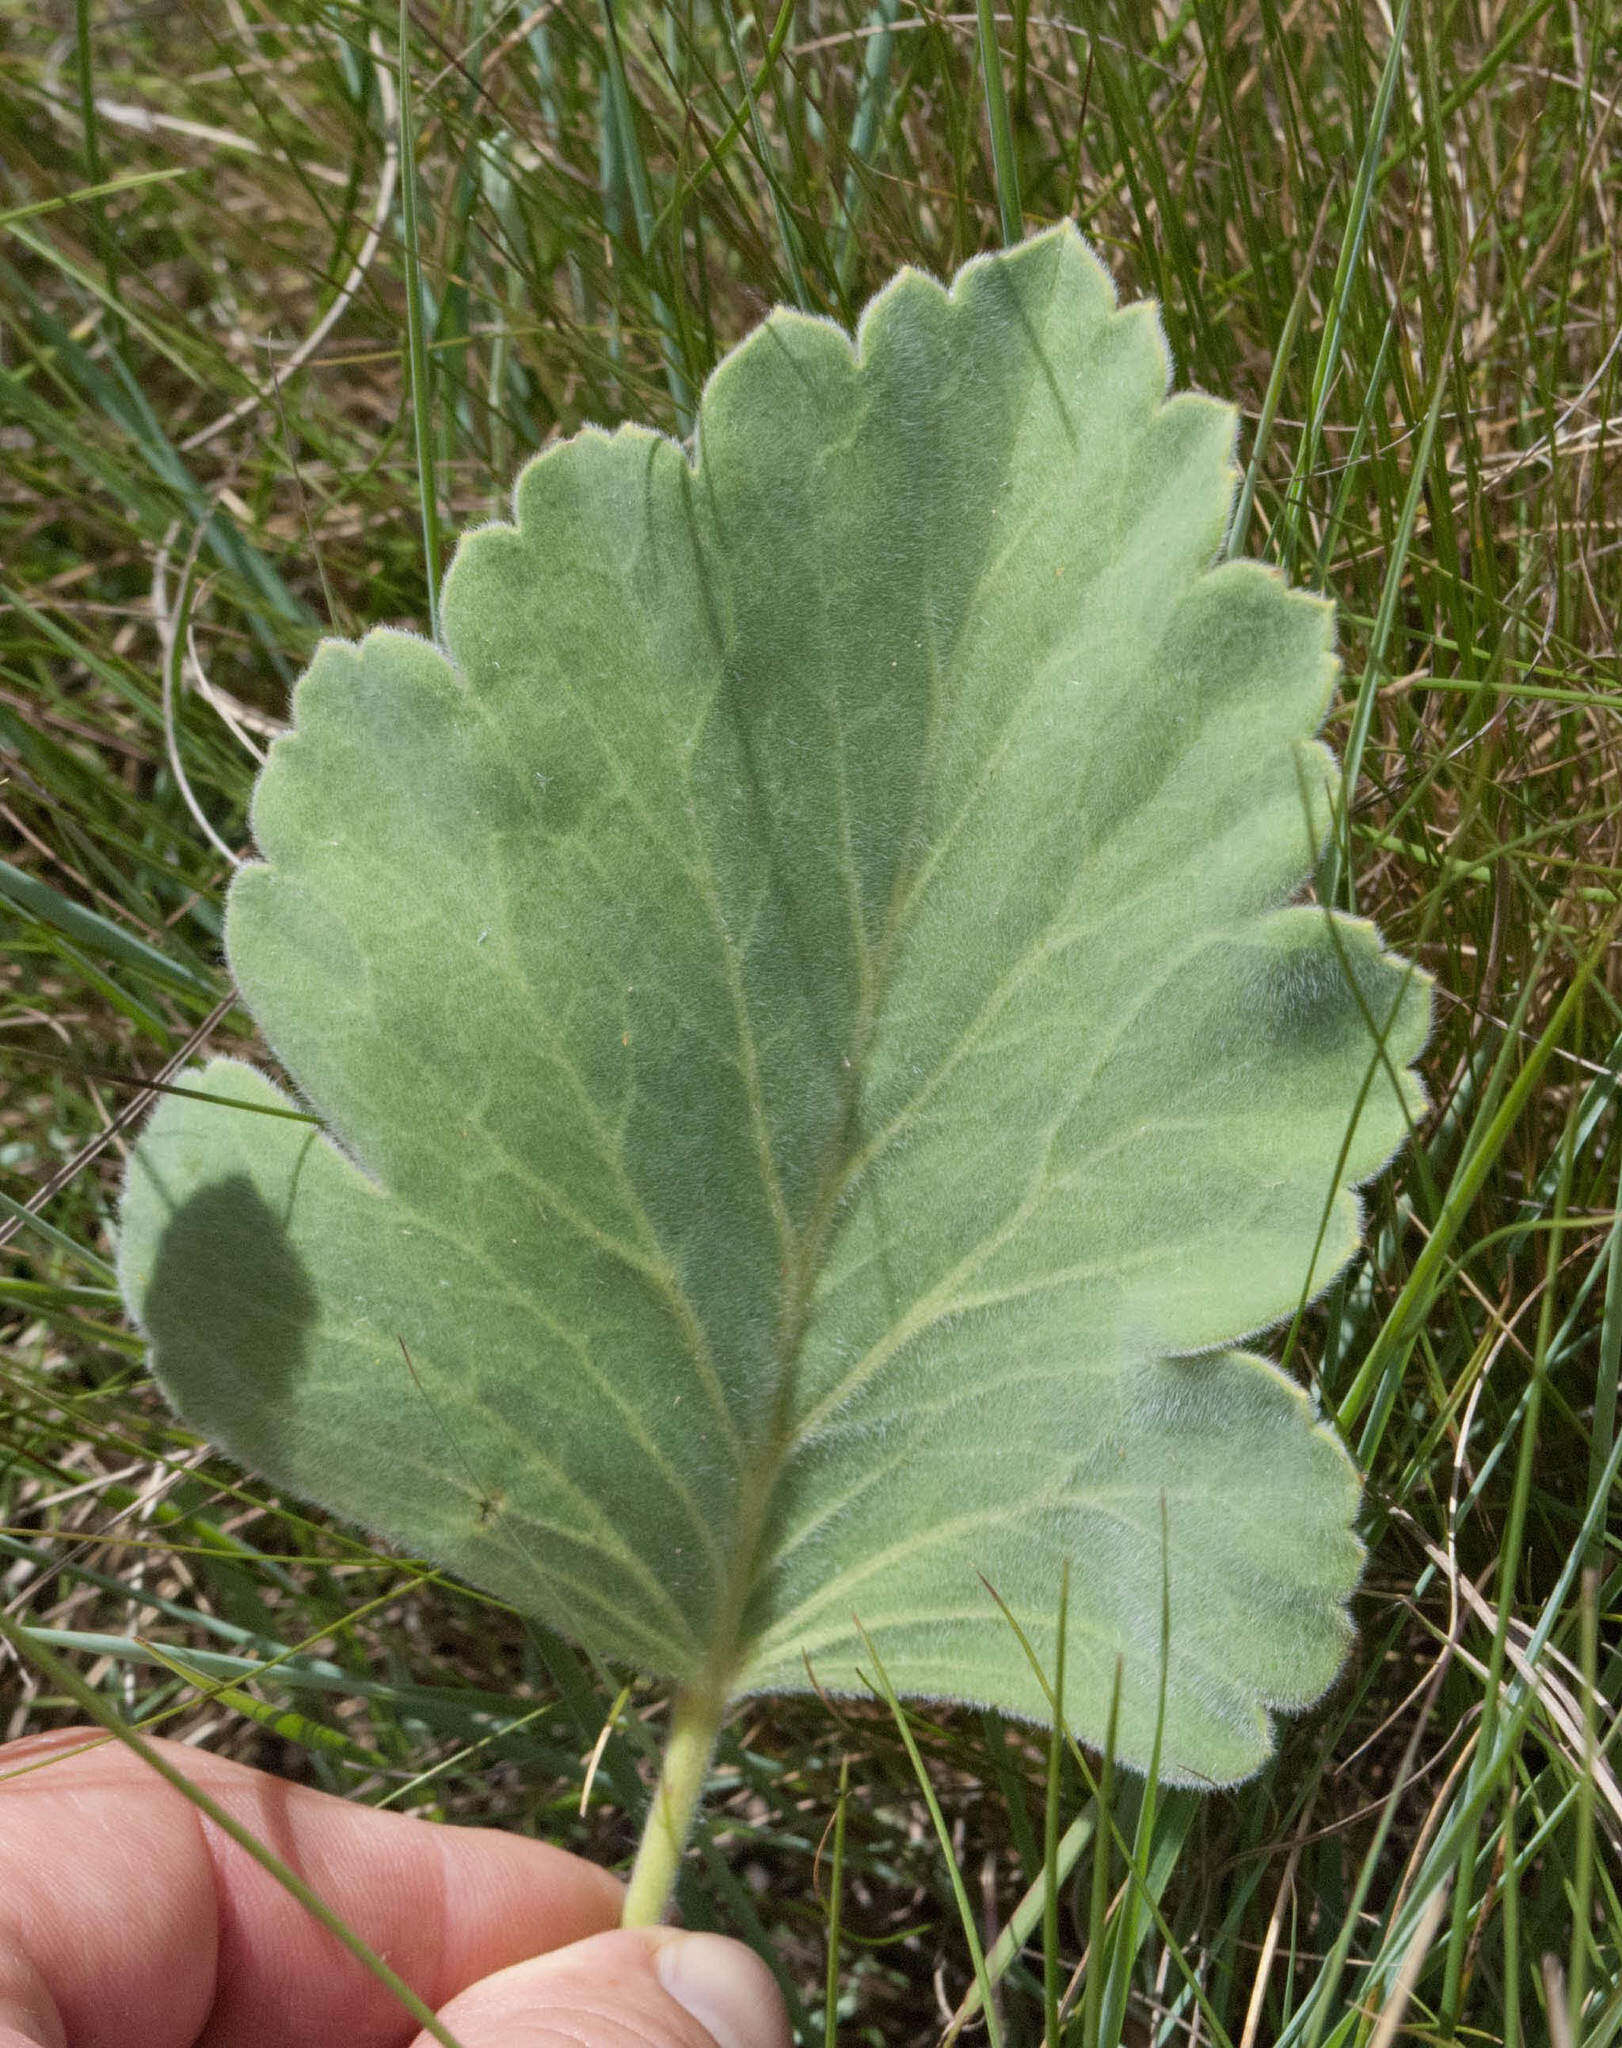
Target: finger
[648, 1988]
[136, 1923]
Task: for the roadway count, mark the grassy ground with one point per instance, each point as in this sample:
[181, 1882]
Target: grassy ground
[252, 372]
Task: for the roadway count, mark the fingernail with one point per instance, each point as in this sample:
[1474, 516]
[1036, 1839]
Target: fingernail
[724, 1986]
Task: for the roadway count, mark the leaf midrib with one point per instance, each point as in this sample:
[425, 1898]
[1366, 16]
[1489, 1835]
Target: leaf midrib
[803, 1251]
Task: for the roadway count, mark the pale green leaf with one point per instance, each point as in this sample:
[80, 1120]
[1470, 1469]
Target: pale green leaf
[818, 1050]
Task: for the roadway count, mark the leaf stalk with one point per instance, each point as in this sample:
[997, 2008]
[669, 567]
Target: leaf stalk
[694, 1727]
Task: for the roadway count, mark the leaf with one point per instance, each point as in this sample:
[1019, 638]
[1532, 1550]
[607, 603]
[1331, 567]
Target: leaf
[818, 1053]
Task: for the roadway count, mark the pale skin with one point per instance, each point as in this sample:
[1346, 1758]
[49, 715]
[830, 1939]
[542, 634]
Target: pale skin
[129, 1920]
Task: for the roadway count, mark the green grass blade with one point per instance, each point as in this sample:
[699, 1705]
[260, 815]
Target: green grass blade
[38, 900]
[1004, 159]
[628, 145]
[971, 1932]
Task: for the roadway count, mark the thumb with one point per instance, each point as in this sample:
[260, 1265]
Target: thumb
[652, 1987]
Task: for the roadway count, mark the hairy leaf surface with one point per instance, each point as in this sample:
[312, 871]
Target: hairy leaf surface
[817, 1054]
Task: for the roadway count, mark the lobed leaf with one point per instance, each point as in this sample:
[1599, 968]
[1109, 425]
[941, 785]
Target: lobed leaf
[818, 1054]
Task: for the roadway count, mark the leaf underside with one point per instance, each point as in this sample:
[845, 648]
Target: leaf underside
[817, 1049]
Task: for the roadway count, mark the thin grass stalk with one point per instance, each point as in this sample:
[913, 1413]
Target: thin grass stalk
[1051, 1986]
[787, 234]
[1466, 1185]
[1004, 160]
[1509, 1906]
[1509, 1565]
[1351, 250]
[422, 405]
[1283, 351]
[1026, 1918]
[25, 1219]
[618, 91]
[1076, 1838]
[717, 151]
[1306, 2026]
[90, 128]
[943, 1834]
[871, 99]
[1583, 1847]
[1353, 480]
[1336, 881]
[1603, 1435]
[1132, 1921]
[836, 1900]
[61, 1674]
[1092, 2007]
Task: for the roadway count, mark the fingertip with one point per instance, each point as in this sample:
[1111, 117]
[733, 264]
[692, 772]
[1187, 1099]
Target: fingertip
[632, 1988]
[726, 1987]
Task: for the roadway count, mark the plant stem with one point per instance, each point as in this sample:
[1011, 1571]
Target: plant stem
[695, 1724]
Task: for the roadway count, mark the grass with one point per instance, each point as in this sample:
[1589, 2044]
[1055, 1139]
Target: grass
[266, 344]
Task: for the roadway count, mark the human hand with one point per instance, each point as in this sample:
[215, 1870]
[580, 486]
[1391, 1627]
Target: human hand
[129, 1920]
